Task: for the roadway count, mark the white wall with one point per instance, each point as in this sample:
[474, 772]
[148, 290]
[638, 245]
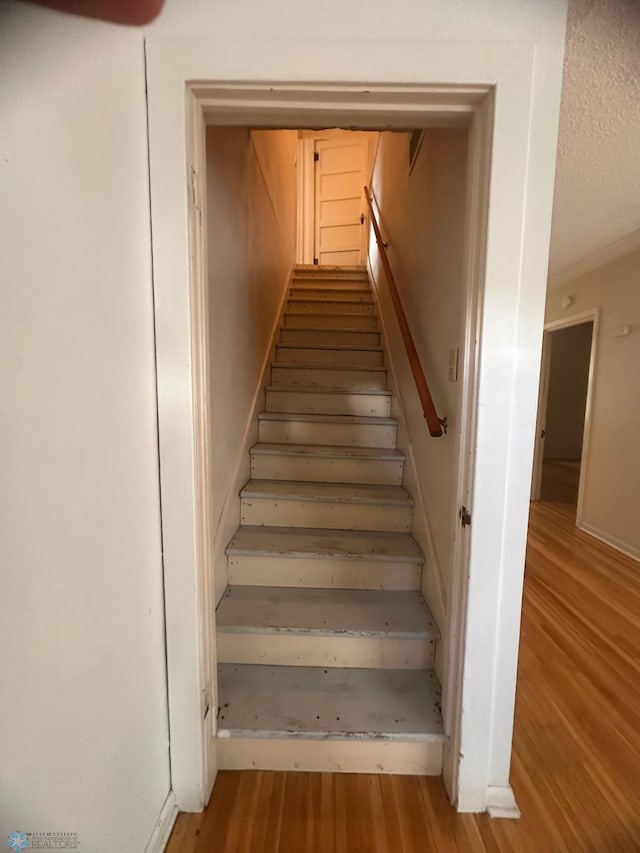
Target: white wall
[568, 381]
[422, 218]
[251, 221]
[611, 492]
[84, 742]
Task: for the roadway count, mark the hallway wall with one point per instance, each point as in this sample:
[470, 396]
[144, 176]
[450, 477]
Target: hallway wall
[251, 213]
[84, 740]
[611, 490]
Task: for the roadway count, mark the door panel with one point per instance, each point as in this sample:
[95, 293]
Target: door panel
[340, 175]
[340, 211]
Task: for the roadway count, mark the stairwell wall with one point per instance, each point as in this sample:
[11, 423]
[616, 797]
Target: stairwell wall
[422, 213]
[251, 228]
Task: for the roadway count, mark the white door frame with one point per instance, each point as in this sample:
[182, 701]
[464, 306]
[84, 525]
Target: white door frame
[305, 190]
[591, 316]
[511, 262]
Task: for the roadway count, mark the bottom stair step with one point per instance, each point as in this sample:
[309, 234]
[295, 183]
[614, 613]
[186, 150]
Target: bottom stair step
[333, 720]
[315, 703]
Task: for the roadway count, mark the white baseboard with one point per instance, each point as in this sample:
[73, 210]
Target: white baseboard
[501, 803]
[623, 547]
[163, 826]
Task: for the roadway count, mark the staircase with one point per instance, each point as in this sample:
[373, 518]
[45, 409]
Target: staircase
[324, 642]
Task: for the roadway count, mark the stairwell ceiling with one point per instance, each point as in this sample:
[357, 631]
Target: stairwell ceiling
[597, 193]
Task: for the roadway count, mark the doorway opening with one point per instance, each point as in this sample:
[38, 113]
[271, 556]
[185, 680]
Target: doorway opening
[311, 409]
[561, 456]
[183, 322]
[333, 167]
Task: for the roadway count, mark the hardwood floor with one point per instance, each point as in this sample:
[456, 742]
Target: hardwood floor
[560, 480]
[576, 759]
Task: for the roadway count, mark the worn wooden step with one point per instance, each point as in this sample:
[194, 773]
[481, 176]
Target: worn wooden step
[281, 556]
[339, 337]
[341, 704]
[330, 464]
[317, 271]
[337, 506]
[328, 401]
[275, 556]
[329, 719]
[331, 306]
[348, 377]
[331, 321]
[285, 626]
[352, 285]
[329, 295]
[330, 355]
[342, 430]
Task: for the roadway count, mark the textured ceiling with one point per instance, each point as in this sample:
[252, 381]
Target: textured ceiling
[597, 195]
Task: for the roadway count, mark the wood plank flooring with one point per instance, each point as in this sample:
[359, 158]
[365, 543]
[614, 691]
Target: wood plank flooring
[560, 481]
[576, 760]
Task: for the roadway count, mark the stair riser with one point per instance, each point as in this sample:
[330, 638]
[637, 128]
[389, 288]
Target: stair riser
[308, 337]
[305, 650]
[320, 573]
[326, 377]
[331, 321]
[343, 435]
[329, 357]
[316, 470]
[329, 404]
[316, 293]
[324, 514]
[319, 306]
[330, 756]
[341, 274]
[331, 285]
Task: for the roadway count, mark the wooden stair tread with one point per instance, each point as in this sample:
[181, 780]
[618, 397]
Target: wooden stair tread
[330, 347]
[295, 365]
[312, 417]
[348, 493]
[326, 544]
[330, 329]
[328, 451]
[319, 389]
[333, 703]
[325, 612]
[318, 270]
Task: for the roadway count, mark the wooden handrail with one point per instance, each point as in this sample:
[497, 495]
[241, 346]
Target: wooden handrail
[437, 426]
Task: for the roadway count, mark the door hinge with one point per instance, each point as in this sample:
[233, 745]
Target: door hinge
[315, 261]
[206, 701]
[316, 156]
[465, 516]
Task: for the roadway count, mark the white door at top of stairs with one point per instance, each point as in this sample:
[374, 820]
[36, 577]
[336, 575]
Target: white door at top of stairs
[340, 164]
